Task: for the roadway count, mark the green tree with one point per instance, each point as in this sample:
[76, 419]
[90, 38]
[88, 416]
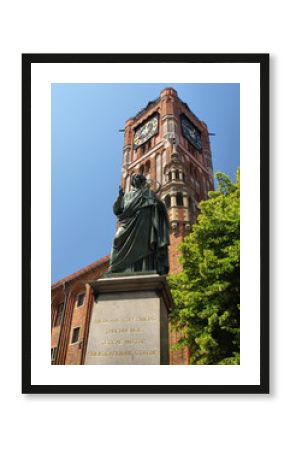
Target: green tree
[207, 293]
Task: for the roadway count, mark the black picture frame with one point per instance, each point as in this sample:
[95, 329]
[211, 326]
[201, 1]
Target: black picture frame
[263, 61]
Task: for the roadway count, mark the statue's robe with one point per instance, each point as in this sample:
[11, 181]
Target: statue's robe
[142, 239]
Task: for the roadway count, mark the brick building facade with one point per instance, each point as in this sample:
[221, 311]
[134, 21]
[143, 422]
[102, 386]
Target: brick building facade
[166, 142]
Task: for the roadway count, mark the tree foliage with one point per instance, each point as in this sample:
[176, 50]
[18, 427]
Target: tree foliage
[207, 293]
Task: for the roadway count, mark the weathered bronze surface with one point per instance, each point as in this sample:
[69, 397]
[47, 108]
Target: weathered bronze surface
[142, 239]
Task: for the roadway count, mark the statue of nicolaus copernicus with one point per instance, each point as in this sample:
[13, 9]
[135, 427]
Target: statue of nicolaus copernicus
[142, 239]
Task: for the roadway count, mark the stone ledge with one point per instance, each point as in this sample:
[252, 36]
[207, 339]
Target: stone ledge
[137, 283]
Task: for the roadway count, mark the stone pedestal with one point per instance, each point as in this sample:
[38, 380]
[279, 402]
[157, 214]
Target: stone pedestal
[129, 321]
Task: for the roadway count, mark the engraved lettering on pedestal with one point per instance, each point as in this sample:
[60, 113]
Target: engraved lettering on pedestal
[119, 337]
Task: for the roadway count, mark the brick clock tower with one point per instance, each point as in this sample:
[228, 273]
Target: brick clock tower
[166, 142]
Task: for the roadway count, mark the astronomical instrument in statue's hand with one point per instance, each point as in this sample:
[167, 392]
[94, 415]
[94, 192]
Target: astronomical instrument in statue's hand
[154, 185]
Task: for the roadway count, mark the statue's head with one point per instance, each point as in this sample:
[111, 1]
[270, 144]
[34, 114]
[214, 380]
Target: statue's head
[138, 180]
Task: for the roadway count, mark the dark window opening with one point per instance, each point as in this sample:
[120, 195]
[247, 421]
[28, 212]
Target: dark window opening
[147, 167]
[179, 199]
[80, 300]
[75, 335]
[53, 354]
[167, 201]
[190, 204]
[59, 314]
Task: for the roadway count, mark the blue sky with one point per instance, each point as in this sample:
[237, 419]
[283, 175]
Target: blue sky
[87, 154]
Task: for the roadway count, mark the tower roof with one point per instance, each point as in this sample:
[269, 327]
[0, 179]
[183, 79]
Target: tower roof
[166, 91]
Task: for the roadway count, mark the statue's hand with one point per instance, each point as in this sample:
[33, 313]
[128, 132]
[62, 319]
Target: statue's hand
[121, 191]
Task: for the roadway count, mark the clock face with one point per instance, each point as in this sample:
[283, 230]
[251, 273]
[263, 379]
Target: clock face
[191, 133]
[146, 131]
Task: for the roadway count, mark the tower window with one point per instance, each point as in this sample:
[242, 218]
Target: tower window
[127, 184]
[158, 168]
[127, 157]
[179, 199]
[163, 166]
[53, 354]
[147, 167]
[197, 185]
[131, 178]
[190, 204]
[75, 335]
[177, 175]
[59, 314]
[208, 163]
[167, 201]
[169, 176]
[80, 300]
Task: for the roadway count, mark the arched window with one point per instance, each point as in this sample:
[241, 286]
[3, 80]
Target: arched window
[127, 157]
[163, 166]
[141, 170]
[169, 176]
[131, 177]
[167, 201]
[190, 204]
[197, 187]
[177, 175]
[147, 167]
[158, 168]
[127, 184]
[179, 199]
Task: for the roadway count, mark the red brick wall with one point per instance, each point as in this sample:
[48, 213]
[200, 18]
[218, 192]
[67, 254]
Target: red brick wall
[78, 319]
[181, 356]
[74, 317]
[174, 253]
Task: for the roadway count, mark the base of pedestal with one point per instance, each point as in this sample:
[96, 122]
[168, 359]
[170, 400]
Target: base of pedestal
[129, 321]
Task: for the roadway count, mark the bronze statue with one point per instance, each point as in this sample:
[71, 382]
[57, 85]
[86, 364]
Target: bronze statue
[142, 239]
